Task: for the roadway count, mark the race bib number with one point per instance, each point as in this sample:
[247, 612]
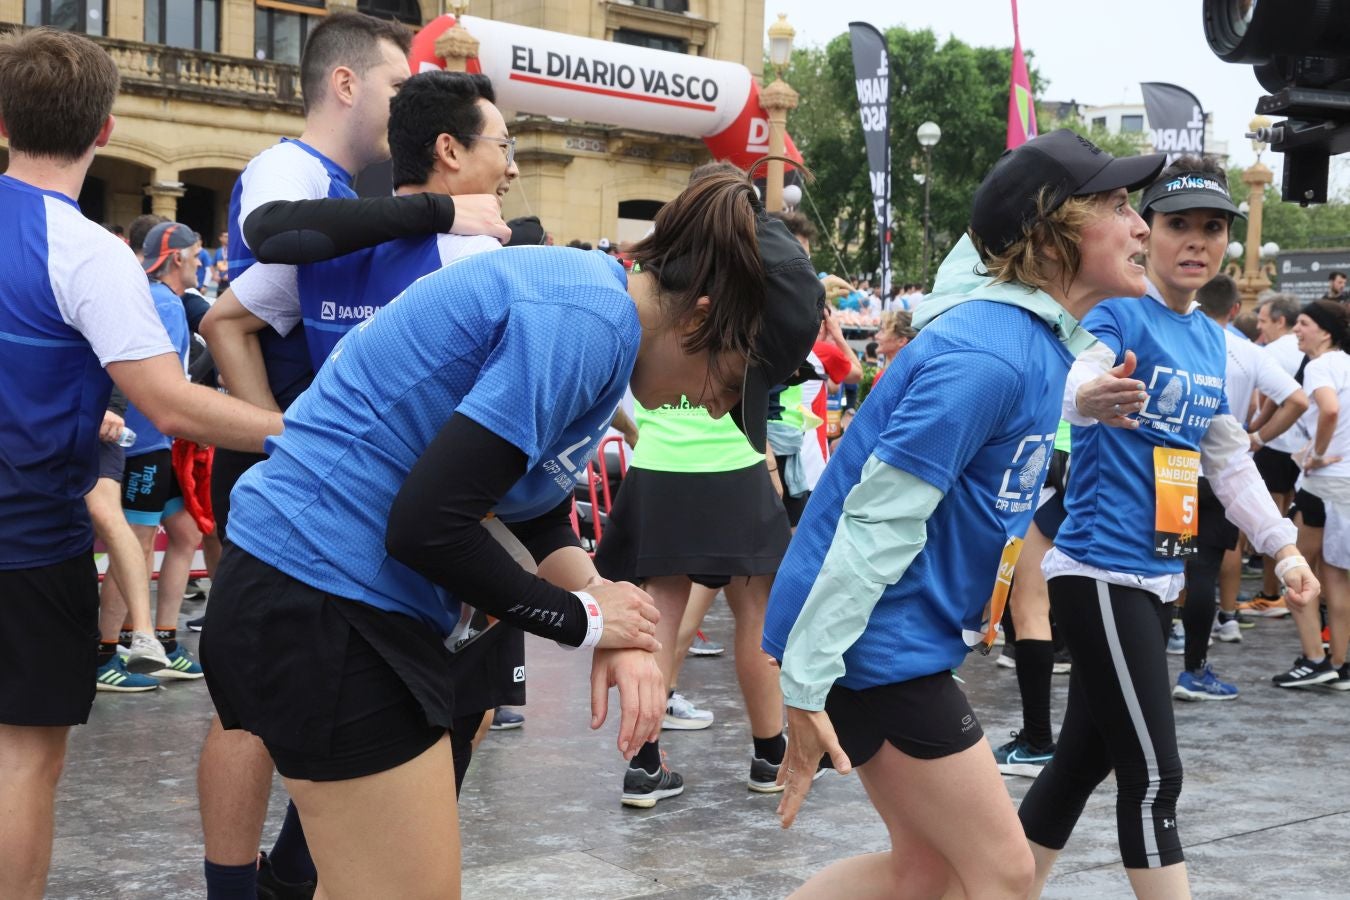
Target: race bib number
[1176, 475]
[983, 639]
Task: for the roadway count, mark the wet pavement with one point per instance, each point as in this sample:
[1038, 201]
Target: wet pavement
[1264, 812]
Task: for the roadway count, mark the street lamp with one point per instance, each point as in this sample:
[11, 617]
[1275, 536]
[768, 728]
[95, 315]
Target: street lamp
[792, 196]
[928, 134]
[1252, 278]
[777, 99]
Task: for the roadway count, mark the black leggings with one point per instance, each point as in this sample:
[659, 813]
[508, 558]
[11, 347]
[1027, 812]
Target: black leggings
[1119, 718]
[1202, 578]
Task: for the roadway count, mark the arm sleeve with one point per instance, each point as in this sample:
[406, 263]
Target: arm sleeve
[434, 529]
[1095, 361]
[272, 293]
[1240, 488]
[304, 231]
[544, 534]
[882, 529]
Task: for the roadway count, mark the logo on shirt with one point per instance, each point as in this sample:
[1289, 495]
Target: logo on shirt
[1172, 394]
[328, 310]
[1023, 477]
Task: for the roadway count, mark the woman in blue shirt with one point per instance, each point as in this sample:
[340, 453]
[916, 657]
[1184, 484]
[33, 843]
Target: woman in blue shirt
[1118, 560]
[899, 566]
[373, 534]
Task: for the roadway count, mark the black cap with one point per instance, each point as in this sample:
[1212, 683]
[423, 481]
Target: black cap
[1189, 190]
[1068, 164]
[794, 303]
[525, 231]
[162, 241]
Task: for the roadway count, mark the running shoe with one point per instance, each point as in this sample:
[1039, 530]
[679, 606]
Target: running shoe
[1342, 682]
[270, 887]
[1063, 664]
[764, 775]
[1253, 565]
[1203, 685]
[642, 789]
[1227, 630]
[1264, 607]
[681, 715]
[1176, 641]
[196, 624]
[1008, 658]
[145, 655]
[194, 592]
[504, 719]
[704, 647]
[181, 666]
[1018, 757]
[113, 676]
[1305, 673]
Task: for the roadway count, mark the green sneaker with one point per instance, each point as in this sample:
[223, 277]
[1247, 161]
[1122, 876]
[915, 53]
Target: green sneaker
[181, 666]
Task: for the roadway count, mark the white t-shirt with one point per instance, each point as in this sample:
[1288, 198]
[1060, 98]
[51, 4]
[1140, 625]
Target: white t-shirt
[1285, 352]
[1252, 368]
[1330, 370]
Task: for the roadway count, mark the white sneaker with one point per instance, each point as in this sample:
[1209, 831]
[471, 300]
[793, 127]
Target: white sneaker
[146, 654]
[1229, 632]
[681, 715]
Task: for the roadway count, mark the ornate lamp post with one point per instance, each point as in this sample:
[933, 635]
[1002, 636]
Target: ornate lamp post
[928, 134]
[1253, 277]
[777, 99]
[456, 46]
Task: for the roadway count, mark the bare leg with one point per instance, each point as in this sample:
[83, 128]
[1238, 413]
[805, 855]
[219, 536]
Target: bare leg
[671, 595]
[129, 579]
[173, 575]
[1308, 619]
[1336, 586]
[1030, 598]
[31, 759]
[408, 813]
[483, 728]
[1045, 861]
[758, 676]
[234, 779]
[700, 599]
[1168, 883]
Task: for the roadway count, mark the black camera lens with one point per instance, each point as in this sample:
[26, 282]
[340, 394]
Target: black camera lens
[1256, 31]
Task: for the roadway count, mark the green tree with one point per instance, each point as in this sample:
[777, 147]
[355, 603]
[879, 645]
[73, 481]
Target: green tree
[1289, 225]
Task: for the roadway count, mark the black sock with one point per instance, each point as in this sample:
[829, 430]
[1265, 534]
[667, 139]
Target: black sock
[106, 651]
[1035, 662]
[231, 882]
[124, 636]
[290, 857]
[648, 759]
[771, 749]
[168, 637]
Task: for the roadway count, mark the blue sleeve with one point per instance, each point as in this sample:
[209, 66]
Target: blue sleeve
[553, 363]
[952, 406]
[1103, 323]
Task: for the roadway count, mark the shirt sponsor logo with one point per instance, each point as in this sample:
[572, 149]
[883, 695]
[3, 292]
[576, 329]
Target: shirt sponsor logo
[1024, 475]
[1172, 395]
[333, 312]
[328, 310]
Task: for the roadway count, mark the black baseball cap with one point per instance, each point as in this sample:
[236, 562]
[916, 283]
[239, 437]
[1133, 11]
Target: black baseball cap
[794, 304]
[1189, 190]
[1067, 163]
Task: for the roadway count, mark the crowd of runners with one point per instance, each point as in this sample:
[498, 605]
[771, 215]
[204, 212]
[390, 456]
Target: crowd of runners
[1073, 454]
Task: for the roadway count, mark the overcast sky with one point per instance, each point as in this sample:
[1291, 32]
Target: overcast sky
[1085, 50]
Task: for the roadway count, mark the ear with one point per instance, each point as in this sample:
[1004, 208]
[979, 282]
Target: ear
[105, 133]
[697, 315]
[448, 151]
[343, 82]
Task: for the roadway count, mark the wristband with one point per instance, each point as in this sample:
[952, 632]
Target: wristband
[1256, 436]
[595, 621]
[1289, 562]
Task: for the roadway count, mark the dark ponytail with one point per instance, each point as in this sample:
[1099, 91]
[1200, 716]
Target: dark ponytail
[704, 244]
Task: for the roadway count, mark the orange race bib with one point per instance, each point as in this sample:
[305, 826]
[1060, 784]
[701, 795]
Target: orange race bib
[1176, 475]
[983, 639]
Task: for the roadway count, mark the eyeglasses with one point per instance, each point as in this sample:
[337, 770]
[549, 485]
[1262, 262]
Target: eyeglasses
[508, 143]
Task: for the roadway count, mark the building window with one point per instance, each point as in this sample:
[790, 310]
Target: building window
[1131, 124]
[675, 6]
[1099, 122]
[190, 24]
[279, 34]
[83, 16]
[409, 12]
[650, 41]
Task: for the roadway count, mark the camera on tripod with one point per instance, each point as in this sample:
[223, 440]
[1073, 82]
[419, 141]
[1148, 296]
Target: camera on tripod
[1301, 53]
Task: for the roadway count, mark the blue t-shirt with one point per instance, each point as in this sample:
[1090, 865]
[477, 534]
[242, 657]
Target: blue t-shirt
[1110, 500]
[306, 174]
[536, 344]
[72, 300]
[971, 408]
[171, 313]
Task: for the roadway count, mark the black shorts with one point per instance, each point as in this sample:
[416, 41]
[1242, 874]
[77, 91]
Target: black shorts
[49, 629]
[1313, 509]
[1215, 530]
[1278, 469]
[710, 526]
[336, 689]
[795, 506]
[490, 671]
[1050, 515]
[112, 460]
[150, 491]
[227, 466]
[926, 718]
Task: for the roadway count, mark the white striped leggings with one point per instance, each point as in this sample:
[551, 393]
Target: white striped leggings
[1119, 718]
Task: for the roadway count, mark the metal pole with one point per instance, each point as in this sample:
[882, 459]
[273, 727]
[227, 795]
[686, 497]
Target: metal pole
[927, 181]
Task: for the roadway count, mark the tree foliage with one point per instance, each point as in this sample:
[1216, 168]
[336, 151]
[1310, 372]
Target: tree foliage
[1289, 225]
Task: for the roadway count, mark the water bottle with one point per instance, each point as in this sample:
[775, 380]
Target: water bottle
[126, 438]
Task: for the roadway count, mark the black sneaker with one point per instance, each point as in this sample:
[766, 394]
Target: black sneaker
[1018, 757]
[194, 591]
[1305, 673]
[504, 719]
[196, 624]
[764, 775]
[270, 887]
[642, 789]
[1342, 682]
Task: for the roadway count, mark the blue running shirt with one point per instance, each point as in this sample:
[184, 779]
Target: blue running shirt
[535, 344]
[290, 170]
[1110, 500]
[971, 408]
[73, 299]
[171, 313]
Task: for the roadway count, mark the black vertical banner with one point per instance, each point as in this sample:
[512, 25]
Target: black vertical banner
[1175, 119]
[871, 68]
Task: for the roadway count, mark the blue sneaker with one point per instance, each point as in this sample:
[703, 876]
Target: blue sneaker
[181, 666]
[504, 719]
[1018, 757]
[1176, 641]
[113, 676]
[1203, 685]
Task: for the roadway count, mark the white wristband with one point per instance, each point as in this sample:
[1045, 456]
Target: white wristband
[595, 622]
[1256, 436]
[1289, 562]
